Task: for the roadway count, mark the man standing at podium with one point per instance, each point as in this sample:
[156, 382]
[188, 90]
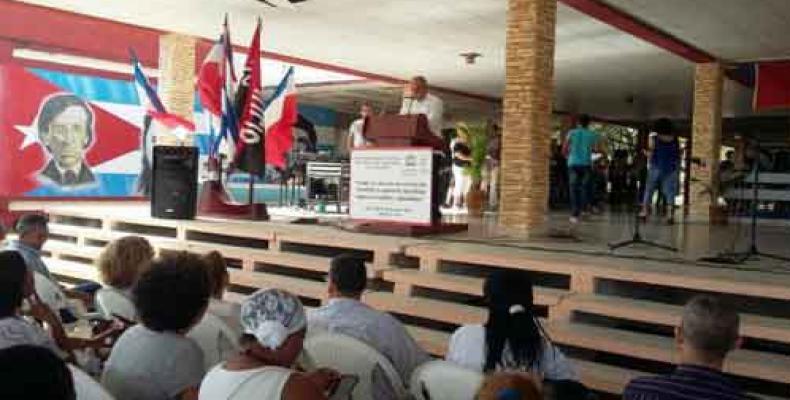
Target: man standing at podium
[417, 100]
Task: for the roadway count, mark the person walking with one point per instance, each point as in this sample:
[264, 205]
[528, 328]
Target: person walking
[664, 155]
[578, 148]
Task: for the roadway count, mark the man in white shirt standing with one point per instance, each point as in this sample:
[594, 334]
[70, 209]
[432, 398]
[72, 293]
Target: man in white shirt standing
[355, 137]
[345, 314]
[417, 100]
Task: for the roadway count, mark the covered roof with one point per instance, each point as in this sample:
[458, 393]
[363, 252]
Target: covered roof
[599, 69]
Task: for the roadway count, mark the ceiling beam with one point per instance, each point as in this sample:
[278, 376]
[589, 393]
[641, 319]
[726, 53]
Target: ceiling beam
[640, 29]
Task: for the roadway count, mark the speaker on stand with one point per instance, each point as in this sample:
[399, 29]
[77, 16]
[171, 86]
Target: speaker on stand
[174, 186]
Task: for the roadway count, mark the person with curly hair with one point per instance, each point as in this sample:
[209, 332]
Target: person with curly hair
[155, 360]
[219, 279]
[120, 265]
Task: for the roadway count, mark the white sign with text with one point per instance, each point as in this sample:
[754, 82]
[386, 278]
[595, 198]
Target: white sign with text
[391, 185]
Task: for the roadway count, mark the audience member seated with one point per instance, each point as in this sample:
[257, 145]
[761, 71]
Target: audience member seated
[274, 326]
[344, 313]
[510, 386]
[33, 232]
[154, 360]
[120, 264]
[16, 285]
[34, 372]
[218, 280]
[512, 338]
[707, 332]
[218, 332]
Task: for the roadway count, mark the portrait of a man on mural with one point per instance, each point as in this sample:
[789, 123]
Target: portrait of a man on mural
[65, 128]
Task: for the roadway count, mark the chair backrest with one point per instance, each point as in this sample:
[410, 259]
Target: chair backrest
[110, 302]
[348, 355]
[216, 338]
[86, 387]
[50, 293]
[443, 380]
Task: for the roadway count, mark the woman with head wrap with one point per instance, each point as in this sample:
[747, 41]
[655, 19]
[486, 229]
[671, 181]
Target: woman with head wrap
[274, 325]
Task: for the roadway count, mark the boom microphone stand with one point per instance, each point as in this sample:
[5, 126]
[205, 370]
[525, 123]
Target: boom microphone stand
[753, 252]
[637, 238]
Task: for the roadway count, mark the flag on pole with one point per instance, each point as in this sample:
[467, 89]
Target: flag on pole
[249, 147]
[772, 87]
[145, 92]
[229, 123]
[279, 116]
[210, 79]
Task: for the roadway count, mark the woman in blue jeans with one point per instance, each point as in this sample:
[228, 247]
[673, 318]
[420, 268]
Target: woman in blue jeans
[664, 155]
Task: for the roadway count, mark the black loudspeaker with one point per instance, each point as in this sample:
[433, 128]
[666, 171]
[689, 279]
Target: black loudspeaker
[174, 188]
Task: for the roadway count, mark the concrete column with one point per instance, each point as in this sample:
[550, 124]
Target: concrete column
[177, 78]
[527, 112]
[706, 138]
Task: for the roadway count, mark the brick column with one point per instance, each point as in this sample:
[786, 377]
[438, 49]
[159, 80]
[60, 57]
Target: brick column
[177, 77]
[706, 138]
[527, 114]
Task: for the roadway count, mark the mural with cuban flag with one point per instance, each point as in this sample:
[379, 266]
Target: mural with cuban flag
[68, 135]
[72, 135]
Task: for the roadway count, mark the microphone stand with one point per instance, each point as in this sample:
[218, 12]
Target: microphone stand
[753, 252]
[637, 237]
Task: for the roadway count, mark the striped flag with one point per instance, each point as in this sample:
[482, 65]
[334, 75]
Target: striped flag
[280, 115]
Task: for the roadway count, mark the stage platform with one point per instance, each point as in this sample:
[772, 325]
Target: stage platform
[612, 313]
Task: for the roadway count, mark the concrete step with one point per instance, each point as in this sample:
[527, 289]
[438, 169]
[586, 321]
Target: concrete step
[437, 310]
[753, 326]
[404, 279]
[746, 363]
[300, 287]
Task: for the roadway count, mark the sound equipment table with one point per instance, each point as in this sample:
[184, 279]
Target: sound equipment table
[333, 177]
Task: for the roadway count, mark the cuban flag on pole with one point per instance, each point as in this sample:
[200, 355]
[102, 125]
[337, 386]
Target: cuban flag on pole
[279, 117]
[145, 92]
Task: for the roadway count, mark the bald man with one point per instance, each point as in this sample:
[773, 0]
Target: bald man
[417, 100]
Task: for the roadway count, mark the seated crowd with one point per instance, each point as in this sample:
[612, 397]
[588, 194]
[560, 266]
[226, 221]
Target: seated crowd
[165, 333]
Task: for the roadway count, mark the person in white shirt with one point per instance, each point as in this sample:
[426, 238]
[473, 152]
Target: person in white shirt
[274, 326]
[219, 279]
[417, 100]
[512, 338]
[345, 314]
[355, 137]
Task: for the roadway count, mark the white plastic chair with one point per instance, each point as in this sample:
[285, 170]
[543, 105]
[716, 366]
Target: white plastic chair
[50, 293]
[348, 355]
[216, 338]
[443, 380]
[53, 296]
[110, 302]
[86, 387]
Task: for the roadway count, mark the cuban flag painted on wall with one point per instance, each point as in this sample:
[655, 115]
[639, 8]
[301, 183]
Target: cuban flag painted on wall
[67, 135]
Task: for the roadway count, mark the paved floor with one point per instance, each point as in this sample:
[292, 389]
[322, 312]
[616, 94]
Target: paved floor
[693, 240]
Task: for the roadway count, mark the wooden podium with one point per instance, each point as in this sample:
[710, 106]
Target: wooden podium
[401, 131]
[404, 131]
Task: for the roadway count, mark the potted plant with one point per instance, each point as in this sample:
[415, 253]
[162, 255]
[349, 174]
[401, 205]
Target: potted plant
[477, 140]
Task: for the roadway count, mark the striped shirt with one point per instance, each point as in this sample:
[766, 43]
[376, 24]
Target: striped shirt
[687, 382]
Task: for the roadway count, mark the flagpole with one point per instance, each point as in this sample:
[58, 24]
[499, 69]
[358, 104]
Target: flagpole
[251, 192]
